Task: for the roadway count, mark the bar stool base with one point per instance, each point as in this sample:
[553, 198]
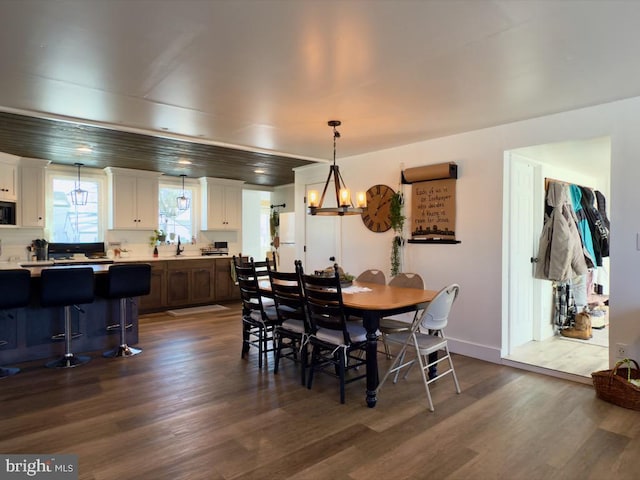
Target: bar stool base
[68, 361]
[8, 371]
[122, 351]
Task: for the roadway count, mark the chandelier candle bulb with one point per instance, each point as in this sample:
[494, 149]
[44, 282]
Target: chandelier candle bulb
[345, 197]
[314, 198]
[361, 200]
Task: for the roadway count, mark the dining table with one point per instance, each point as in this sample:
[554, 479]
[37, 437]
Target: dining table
[371, 302]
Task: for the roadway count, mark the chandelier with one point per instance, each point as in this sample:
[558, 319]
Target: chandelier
[78, 195]
[344, 205]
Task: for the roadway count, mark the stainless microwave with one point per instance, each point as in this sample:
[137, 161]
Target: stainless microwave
[7, 213]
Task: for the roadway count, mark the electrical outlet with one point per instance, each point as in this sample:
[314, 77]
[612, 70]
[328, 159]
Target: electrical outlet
[621, 350]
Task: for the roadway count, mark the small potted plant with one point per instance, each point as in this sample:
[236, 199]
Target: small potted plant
[159, 236]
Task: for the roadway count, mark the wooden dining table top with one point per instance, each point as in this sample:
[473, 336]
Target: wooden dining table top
[385, 297]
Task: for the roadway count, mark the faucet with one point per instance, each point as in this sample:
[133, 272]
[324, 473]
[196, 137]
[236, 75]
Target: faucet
[178, 249]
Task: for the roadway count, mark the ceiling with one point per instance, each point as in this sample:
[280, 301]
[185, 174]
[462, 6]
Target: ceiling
[198, 80]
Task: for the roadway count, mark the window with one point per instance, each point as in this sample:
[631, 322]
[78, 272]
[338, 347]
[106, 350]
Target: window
[70, 223]
[172, 221]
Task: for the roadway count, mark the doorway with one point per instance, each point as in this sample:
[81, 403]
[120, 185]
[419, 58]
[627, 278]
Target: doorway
[529, 339]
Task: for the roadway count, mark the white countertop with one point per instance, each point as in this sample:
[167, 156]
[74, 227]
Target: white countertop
[5, 265]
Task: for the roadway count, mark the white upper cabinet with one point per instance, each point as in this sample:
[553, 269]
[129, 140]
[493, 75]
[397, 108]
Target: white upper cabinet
[32, 192]
[133, 196]
[221, 204]
[8, 177]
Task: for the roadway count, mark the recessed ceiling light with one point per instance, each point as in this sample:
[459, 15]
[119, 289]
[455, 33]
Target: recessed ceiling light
[184, 161]
[259, 170]
[84, 149]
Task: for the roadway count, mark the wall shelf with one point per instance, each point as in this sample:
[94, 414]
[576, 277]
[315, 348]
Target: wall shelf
[433, 240]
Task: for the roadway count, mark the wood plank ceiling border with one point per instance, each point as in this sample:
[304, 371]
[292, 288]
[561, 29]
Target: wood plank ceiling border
[57, 141]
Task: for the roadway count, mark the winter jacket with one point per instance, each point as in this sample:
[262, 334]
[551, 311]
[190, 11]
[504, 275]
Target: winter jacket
[560, 253]
[599, 232]
[602, 208]
[583, 226]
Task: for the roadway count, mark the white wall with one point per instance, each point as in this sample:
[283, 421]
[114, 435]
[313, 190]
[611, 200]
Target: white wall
[476, 263]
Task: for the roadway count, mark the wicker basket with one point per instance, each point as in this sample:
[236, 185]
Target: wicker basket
[614, 386]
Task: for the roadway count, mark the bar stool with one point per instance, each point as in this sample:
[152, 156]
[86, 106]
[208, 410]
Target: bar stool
[125, 281]
[67, 287]
[15, 285]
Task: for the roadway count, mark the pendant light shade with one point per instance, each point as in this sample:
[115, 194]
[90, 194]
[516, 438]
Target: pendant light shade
[79, 196]
[183, 200]
[344, 205]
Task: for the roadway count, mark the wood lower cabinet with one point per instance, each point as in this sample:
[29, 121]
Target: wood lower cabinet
[189, 282]
[157, 298]
[226, 289]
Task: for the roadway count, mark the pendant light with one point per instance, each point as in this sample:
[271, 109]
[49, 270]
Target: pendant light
[78, 195]
[344, 205]
[183, 201]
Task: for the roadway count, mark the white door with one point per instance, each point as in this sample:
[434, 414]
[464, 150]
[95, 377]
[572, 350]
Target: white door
[321, 238]
[523, 246]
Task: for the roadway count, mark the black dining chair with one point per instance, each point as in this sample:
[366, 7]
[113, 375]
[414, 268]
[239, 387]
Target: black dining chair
[294, 328]
[259, 318]
[335, 341]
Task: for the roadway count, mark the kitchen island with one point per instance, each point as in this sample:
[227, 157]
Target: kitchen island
[30, 332]
[176, 282]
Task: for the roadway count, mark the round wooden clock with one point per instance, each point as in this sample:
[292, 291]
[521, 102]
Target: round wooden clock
[376, 215]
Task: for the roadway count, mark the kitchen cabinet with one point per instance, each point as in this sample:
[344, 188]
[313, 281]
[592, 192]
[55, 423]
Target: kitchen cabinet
[226, 289]
[157, 298]
[190, 282]
[133, 198]
[8, 180]
[32, 192]
[221, 204]
[187, 282]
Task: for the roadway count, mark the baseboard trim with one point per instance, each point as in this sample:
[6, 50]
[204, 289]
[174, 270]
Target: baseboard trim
[547, 371]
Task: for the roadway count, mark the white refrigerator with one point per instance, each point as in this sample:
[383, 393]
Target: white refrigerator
[287, 249]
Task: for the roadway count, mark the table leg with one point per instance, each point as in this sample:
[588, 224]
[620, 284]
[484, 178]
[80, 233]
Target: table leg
[371, 323]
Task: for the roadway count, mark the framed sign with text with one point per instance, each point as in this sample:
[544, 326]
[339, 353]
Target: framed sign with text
[433, 210]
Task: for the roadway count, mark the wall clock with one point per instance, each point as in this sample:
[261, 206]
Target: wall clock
[376, 216]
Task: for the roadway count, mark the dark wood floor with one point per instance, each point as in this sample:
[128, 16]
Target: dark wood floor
[189, 408]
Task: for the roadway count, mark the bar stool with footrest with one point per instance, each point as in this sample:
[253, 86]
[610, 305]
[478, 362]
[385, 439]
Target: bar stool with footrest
[15, 289]
[67, 287]
[124, 282]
